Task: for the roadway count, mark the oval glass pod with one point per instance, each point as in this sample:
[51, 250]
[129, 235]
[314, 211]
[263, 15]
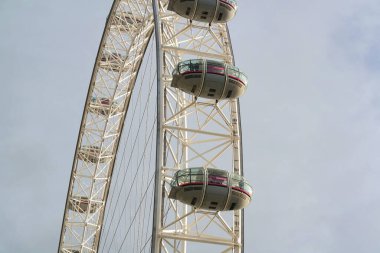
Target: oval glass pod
[210, 11]
[209, 79]
[211, 189]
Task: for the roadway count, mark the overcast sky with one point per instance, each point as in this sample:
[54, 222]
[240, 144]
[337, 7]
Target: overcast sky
[311, 119]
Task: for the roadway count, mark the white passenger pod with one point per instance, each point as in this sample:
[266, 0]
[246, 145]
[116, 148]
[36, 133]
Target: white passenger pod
[82, 204]
[211, 189]
[126, 21]
[210, 11]
[111, 61]
[209, 79]
[104, 106]
[93, 154]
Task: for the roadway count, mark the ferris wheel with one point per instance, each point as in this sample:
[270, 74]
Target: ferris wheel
[162, 120]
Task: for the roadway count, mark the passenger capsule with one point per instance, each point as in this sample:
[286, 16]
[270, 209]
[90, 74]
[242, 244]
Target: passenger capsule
[209, 79]
[126, 21]
[104, 106]
[82, 204]
[70, 251]
[93, 154]
[210, 11]
[111, 61]
[210, 189]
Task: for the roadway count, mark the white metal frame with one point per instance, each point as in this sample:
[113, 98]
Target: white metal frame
[205, 130]
[191, 132]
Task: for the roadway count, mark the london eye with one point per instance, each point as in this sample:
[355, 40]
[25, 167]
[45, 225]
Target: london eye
[158, 165]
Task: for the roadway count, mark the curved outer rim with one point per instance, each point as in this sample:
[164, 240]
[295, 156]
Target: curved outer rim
[86, 110]
[89, 91]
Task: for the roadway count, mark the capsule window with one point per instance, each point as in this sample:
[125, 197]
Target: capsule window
[233, 72]
[183, 172]
[217, 180]
[236, 183]
[197, 178]
[174, 182]
[215, 68]
[248, 189]
[196, 175]
[183, 67]
[195, 67]
[243, 78]
[190, 65]
[198, 171]
[183, 179]
[240, 183]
